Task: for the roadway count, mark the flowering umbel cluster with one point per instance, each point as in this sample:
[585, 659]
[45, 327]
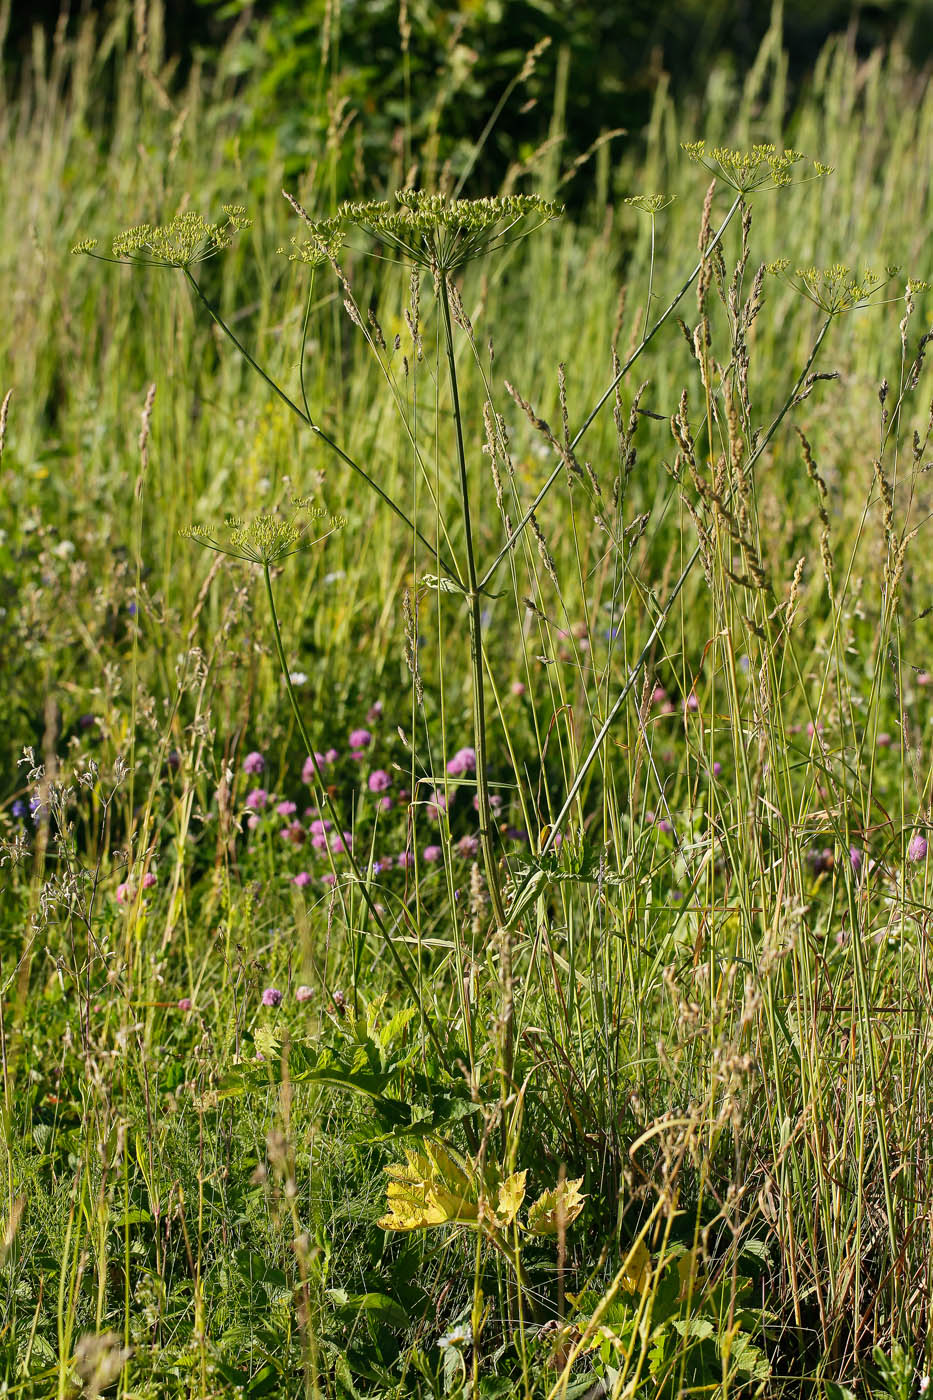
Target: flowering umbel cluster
[438, 233]
[182, 242]
[322, 247]
[267, 539]
[835, 289]
[650, 203]
[763, 167]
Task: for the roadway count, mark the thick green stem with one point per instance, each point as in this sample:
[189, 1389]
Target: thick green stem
[479, 714]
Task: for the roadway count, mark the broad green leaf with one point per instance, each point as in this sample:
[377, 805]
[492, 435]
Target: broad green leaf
[378, 1305]
[698, 1327]
[749, 1359]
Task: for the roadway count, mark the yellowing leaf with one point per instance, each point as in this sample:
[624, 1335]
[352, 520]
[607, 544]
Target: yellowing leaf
[554, 1210]
[690, 1275]
[637, 1269]
[429, 1189]
[511, 1195]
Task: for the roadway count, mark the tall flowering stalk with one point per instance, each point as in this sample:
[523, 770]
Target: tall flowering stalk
[442, 236]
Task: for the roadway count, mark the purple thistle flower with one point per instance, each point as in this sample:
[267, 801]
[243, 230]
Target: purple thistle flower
[295, 833]
[254, 763]
[308, 774]
[303, 993]
[329, 879]
[378, 780]
[404, 859]
[856, 859]
[917, 849]
[148, 880]
[257, 799]
[272, 997]
[184, 1003]
[495, 803]
[437, 804]
[463, 761]
[301, 879]
[286, 809]
[331, 756]
[431, 854]
[360, 739]
[468, 846]
[386, 804]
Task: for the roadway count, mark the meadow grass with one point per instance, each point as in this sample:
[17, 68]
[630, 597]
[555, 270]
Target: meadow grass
[485, 955]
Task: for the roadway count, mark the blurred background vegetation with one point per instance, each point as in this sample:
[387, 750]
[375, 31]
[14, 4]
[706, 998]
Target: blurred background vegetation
[376, 88]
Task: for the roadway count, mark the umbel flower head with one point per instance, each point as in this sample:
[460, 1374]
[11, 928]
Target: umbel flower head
[761, 168]
[322, 247]
[443, 234]
[267, 539]
[183, 241]
[650, 203]
[835, 289]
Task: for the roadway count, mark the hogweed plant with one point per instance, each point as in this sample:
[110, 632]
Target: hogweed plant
[730, 957]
